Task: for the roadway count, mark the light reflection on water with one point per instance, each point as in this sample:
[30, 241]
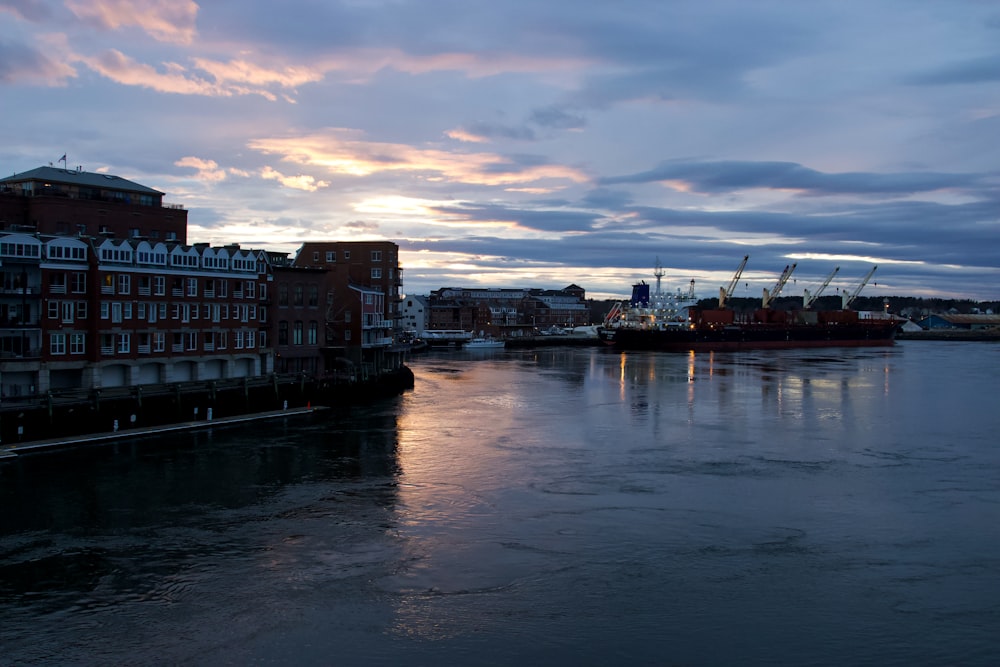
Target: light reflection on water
[558, 506]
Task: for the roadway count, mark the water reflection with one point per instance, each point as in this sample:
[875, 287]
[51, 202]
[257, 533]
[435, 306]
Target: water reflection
[549, 507]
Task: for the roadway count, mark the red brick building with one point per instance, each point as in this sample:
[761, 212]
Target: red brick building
[98, 289]
[361, 293]
[48, 200]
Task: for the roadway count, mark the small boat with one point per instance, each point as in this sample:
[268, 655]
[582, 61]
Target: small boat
[483, 343]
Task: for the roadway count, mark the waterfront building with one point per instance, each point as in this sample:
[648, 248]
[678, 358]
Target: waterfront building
[361, 294]
[413, 314]
[297, 316]
[83, 313]
[507, 312]
[99, 289]
[73, 202]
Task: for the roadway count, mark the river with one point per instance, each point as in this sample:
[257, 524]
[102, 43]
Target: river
[559, 506]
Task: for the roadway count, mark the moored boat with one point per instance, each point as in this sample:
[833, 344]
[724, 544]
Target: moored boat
[483, 343]
[672, 323]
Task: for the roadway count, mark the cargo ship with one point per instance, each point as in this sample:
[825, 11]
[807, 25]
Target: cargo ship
[674, 323]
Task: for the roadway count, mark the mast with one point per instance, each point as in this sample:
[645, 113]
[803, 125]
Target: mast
[726, 292]
[848, 298]
[809, 299]
[772, 294]
[658, 272]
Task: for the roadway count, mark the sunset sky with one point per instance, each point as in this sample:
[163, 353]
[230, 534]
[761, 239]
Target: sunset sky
[540, 143]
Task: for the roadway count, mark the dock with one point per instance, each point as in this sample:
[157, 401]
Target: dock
[11, 452]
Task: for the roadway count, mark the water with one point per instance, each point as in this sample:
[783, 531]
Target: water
[557, 507]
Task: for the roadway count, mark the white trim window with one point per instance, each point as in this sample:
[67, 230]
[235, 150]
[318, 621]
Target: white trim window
[77, 343]
[57, 343]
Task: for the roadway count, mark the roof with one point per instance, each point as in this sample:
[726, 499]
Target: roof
[84, 178]
[956, 318]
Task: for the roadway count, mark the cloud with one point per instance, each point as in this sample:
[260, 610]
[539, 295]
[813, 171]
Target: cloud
[298, 182]
[165, 20]
[342, 151]
[23, 65]
[208, 170]
[483, 132]
[35, 11]
[732, 176]
[973, 71]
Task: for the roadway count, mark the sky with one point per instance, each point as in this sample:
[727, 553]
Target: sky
[541, 143]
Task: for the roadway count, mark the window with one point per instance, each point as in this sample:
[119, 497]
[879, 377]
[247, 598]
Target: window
[124, 343]
[53, 310]
[142, 310]
[313, 296]
[283, 295]
[376, 273]
[283, 333]
[81, 310]
[191, 340]
[159, 341]
[105, 310]
[315, 256]
[57, 343]
[192, 287]
[79, 283]
[68, 310]
[251, 289]
[57, 283]
[77, 343]
[347, 254]
[297, 300]
[376, 255]
[124, 283]
[313, 333]
[238, 339]
[297, 334]
[331, 256]
[159, 285]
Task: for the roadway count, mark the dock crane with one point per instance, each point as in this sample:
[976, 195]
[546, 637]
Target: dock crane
[772, 294]
[848, 297]
[809, 299]
[726, 292]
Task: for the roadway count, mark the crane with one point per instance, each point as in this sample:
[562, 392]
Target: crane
[726, 292]
[809, 299]
[772, 294]
[848, 297]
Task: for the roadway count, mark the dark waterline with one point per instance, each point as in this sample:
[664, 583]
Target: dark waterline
[559, 506]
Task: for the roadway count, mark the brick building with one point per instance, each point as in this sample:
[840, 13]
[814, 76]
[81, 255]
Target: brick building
[48, 200]
[361, 293]
[506, 312]
[99, 289]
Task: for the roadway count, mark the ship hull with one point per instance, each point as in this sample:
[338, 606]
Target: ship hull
[749, 337]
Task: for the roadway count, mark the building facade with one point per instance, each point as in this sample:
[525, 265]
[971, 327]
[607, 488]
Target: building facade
[84, 313]
[361, 293]
[506, 312]
[99, 289]
[73, 202]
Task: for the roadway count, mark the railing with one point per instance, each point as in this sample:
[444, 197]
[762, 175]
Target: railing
[108, 350]
[144, 291]
[143, 349]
